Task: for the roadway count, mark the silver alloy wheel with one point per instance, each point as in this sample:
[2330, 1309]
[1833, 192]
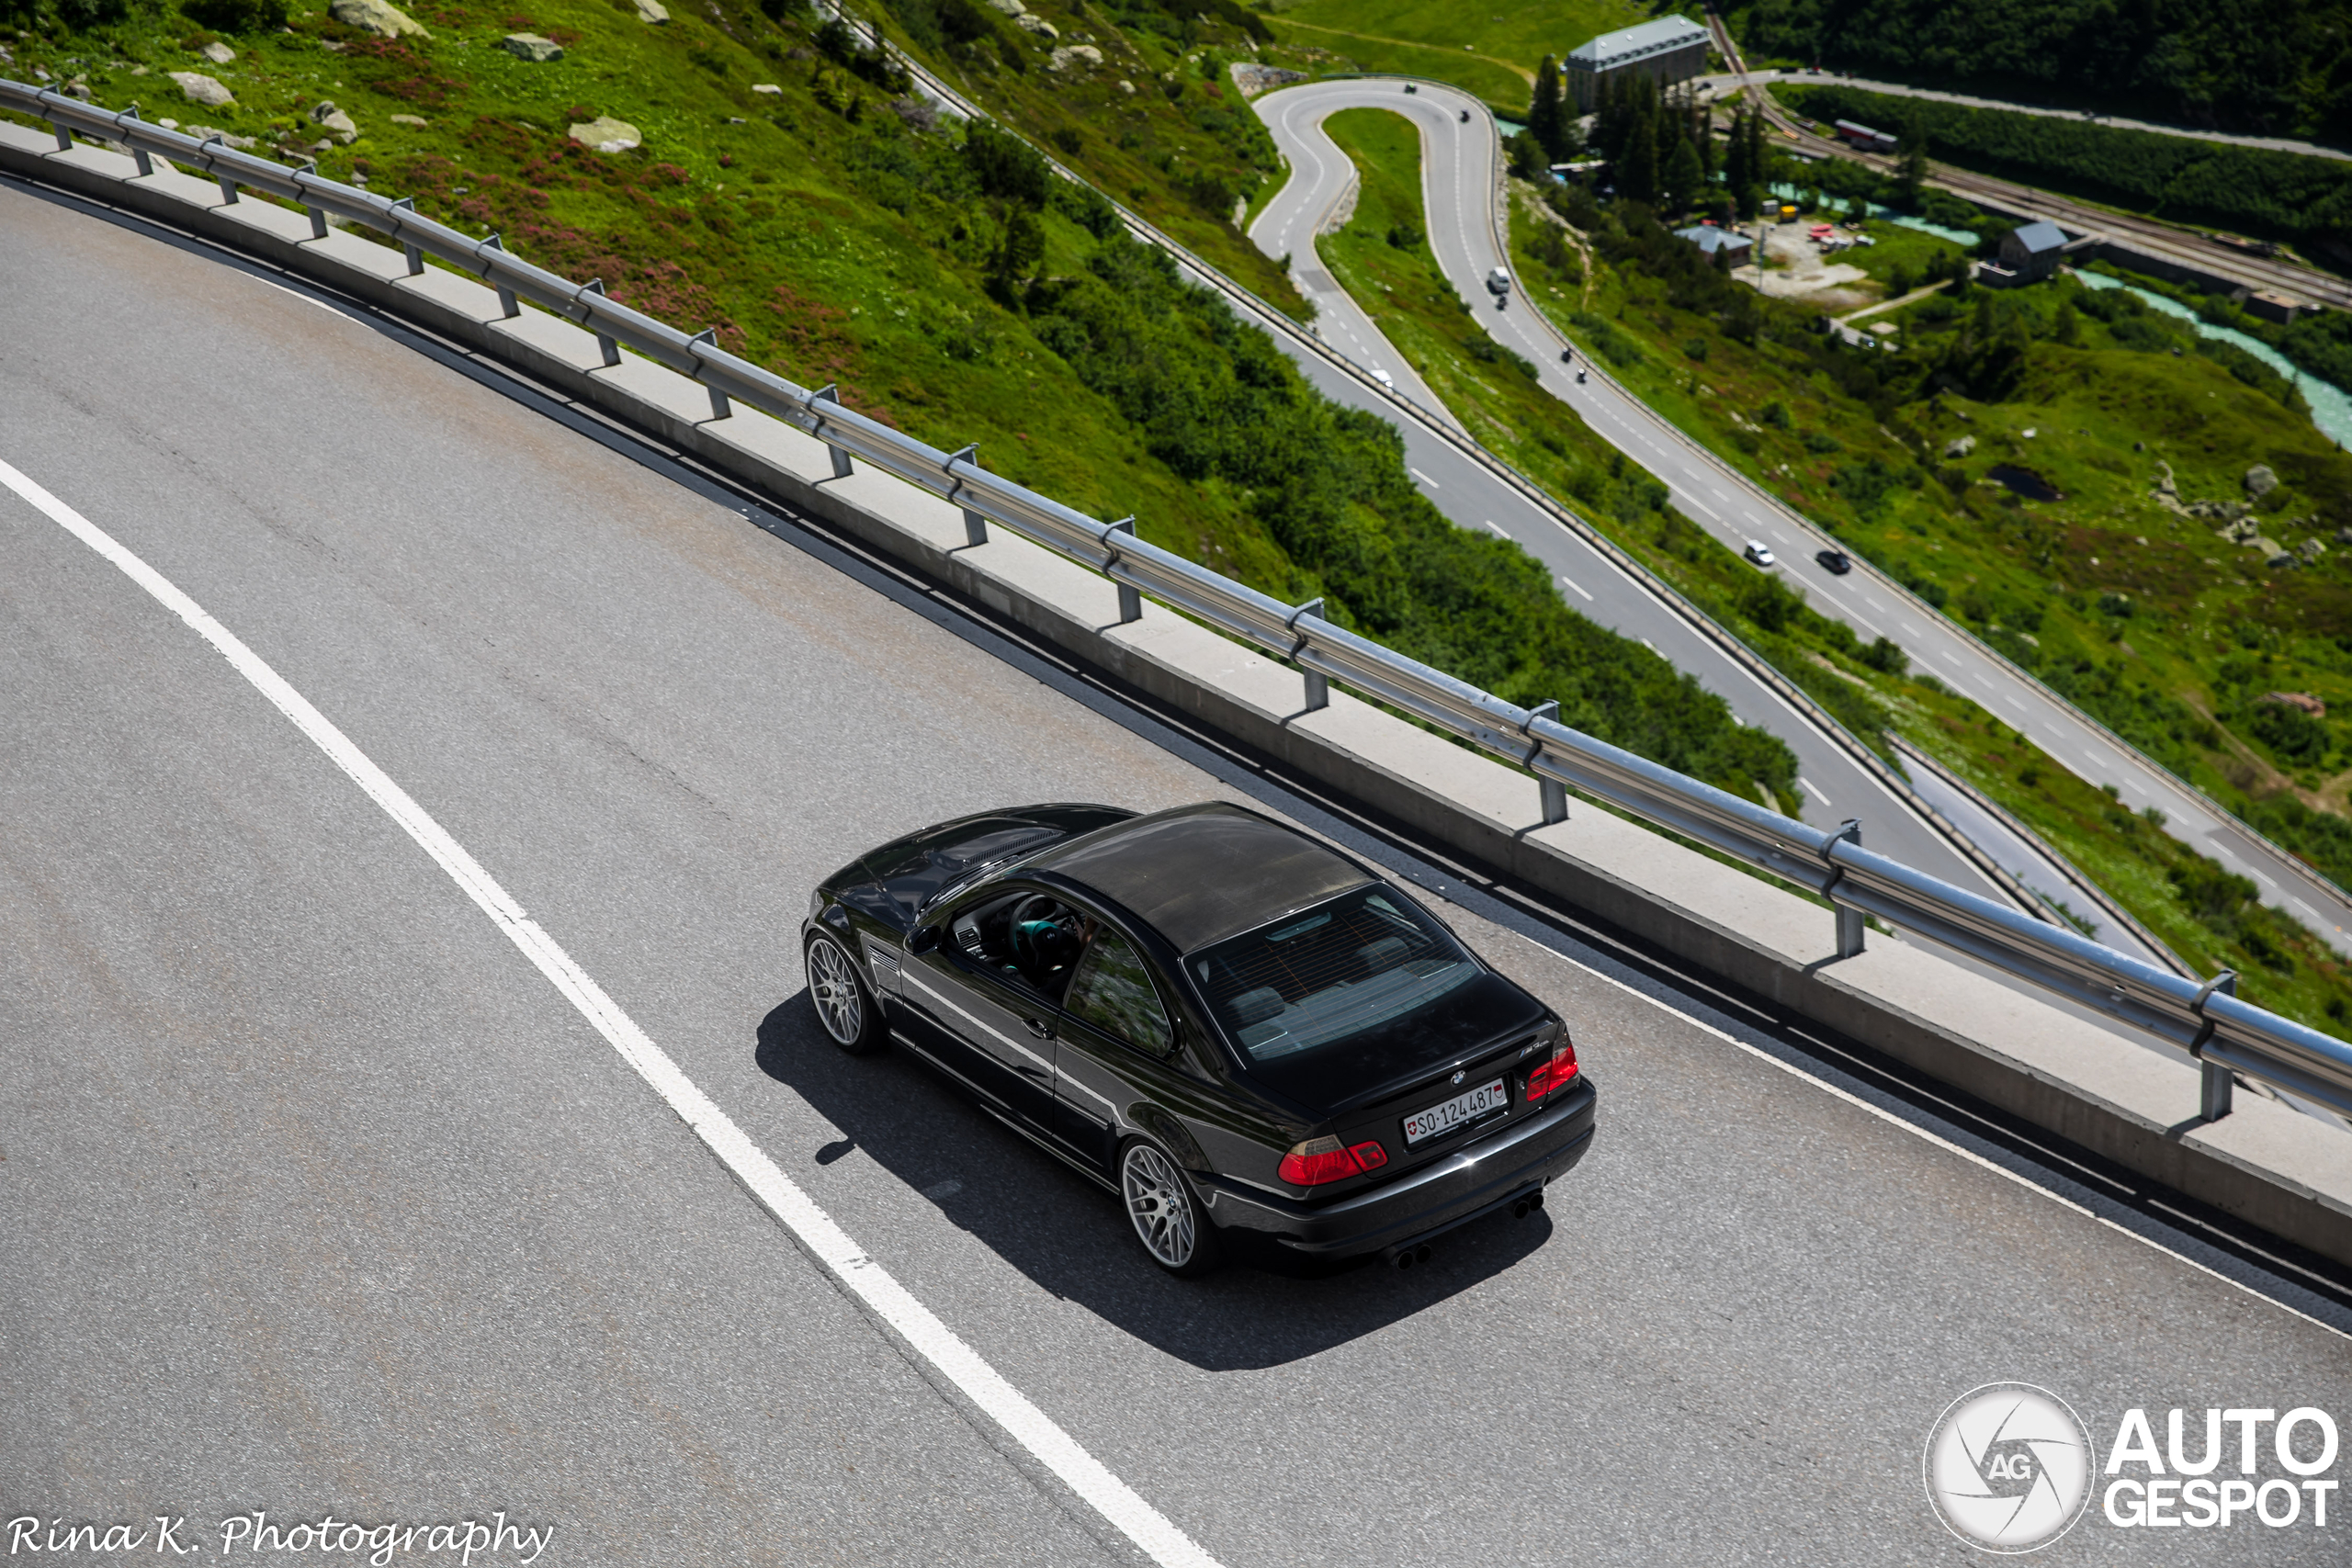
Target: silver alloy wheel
[1159, 1204]
[832, 985]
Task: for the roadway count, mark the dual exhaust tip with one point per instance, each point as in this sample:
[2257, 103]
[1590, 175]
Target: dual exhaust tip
[1413, 1257]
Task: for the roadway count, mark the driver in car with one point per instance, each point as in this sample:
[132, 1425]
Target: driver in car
[1048, 948]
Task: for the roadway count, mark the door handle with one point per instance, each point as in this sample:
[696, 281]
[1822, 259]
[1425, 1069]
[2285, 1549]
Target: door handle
[1040, 1028]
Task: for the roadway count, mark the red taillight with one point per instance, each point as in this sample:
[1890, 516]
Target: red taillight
[1557, 1073]
[1321, 1160]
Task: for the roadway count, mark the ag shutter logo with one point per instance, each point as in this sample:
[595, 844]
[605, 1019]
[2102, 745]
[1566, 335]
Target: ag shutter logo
[2008, 1466]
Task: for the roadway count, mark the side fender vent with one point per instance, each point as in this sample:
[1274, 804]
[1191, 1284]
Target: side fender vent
[883, 960]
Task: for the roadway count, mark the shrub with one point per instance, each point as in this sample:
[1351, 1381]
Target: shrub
[221, 16]
[2295, 736]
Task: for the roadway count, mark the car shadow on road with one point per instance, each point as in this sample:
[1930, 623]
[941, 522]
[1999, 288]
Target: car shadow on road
[1068, 1235]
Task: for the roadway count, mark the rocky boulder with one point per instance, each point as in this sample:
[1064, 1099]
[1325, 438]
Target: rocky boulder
[379, 16]
[652, 13]
[531, 46]
[334, 121]
[1960, 447]
[2260, 481]
[218, 52]
[606, 134]
[202, 89]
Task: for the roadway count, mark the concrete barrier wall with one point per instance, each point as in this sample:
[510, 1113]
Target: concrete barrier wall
[2268, 1164]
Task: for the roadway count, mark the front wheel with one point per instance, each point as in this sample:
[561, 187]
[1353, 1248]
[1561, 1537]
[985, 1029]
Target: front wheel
[840, 997]
[1166, 1212]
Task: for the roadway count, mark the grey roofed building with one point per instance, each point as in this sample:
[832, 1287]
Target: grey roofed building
[1672, 49]
[1711, 240]
[2029, 253]
[2039, 236]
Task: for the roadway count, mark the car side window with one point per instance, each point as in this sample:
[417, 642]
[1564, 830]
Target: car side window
[1030, 937]
[1114, 992]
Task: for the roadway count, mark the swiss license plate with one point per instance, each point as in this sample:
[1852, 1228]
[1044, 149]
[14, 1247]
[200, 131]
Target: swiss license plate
[1467, 1106]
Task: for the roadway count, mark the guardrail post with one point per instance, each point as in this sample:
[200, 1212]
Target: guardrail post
[1554, 793]
[1318, 685]
[507, 303]
[318, 214]
[138, 154]
[228, 186]
[721, 408]
[1850, 925]
[831, 393]
[1130, 597]
[415, 254]
[976, 528]
[2216, 1086]
[65, 137]
[606, 346]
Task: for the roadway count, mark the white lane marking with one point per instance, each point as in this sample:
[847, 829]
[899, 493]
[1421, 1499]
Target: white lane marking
[1807, 784]
[1916, 1131]
[1578, 587]
[1498, 533]
[1702, 506]
[1424, 479]
[1653, 648]
[815, 1230]
[314, 304]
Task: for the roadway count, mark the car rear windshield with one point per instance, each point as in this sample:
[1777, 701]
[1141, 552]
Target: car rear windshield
[1317, 982]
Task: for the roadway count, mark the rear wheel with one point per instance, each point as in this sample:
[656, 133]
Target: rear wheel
[840, 997]
[1166, 1212]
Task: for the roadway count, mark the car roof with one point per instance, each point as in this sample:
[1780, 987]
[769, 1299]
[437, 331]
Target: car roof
[1200, 873]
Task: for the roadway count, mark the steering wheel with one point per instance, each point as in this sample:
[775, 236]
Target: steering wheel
[1024, 943]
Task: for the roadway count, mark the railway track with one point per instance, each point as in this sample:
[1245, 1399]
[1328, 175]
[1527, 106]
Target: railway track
[2158, 241]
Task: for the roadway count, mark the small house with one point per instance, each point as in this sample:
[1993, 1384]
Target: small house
[1713, 242]
[2030, 251]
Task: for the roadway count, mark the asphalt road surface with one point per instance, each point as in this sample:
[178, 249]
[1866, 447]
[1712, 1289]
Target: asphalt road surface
[321, 1199]
[1459, 186]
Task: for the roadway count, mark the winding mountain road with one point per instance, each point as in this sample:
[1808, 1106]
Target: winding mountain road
[1461, 189]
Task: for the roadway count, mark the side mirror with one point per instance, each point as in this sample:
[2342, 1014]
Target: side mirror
[922, 939]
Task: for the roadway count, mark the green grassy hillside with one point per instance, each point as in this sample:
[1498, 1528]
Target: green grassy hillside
[1489, 50]
[790, 194]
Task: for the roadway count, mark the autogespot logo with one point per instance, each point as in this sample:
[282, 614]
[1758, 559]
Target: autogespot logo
[2008, 1466]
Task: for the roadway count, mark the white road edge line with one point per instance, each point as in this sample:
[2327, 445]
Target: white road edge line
[1921, 1132]
[843, 1257]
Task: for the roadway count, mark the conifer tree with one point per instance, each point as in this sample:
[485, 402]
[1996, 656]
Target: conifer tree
[1546, 116]
[1685, 176]
[1637, 170]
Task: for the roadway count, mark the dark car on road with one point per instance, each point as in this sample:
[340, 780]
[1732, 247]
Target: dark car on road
[1259, 1044]
[1836, 562]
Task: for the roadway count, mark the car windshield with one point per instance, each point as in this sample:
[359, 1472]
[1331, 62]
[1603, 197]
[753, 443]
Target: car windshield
[1333, 974]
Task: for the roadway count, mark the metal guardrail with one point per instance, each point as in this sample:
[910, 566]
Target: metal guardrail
[2225, 1033]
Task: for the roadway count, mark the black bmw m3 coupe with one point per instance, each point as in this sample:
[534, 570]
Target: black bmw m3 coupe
[1254, 1041]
